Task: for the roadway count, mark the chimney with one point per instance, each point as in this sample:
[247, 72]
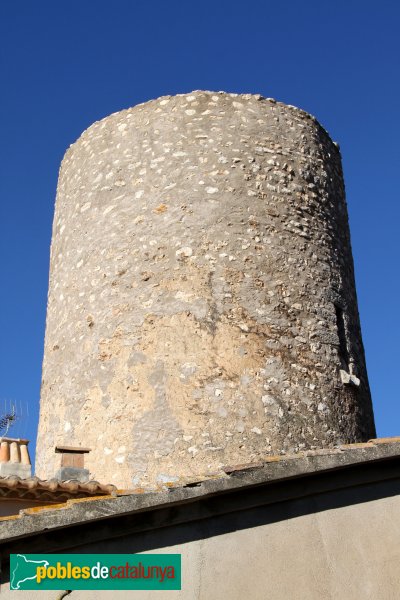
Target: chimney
[72, 463]
[14, 458]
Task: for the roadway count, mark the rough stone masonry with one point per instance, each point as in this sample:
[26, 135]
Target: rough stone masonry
[202, 308]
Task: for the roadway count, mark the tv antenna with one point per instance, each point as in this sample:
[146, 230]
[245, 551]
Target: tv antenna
[7, 420]
[10, 415]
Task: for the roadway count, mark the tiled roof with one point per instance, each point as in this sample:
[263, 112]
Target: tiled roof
[105, 499]
[319, 479]
[51, 490]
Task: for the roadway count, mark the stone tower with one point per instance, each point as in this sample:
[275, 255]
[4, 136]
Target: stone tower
[202, 308]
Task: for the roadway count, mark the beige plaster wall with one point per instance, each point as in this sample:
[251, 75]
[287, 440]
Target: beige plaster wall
[349, 553]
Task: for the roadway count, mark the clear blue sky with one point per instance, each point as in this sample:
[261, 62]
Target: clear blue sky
[67, 64]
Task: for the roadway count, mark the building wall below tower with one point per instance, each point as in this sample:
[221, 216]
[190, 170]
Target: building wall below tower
[341, 545]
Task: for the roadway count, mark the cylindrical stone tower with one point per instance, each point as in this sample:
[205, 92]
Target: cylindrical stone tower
[202, 308]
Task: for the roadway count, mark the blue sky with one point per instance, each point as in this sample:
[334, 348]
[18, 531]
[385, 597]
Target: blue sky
[65, 65]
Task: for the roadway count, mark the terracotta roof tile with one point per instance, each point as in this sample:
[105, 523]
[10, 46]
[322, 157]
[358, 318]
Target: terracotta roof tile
[51, 490]
[65, 494]
[385, 440]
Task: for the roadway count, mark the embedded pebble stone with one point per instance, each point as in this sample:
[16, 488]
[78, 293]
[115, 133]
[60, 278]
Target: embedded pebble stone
[202, 307]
